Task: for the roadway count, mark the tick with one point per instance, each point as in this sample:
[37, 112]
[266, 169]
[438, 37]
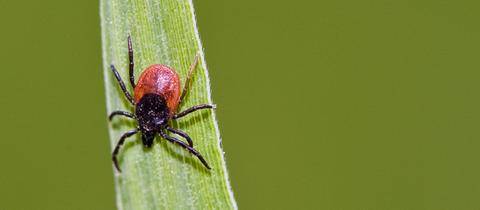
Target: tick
[156, 99]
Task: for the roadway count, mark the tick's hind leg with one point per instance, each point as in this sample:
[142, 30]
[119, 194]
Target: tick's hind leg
[131, 63]
[189, 148]
[189, 77]
[119, 144]
[192, 109]
[182, 134]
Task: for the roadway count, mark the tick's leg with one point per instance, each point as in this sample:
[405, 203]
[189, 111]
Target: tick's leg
[189, 77]
[119, 144]
[122, 85]
[121, 113]
[192, 109]
[132, 64]
[182, 144]
[182, 134]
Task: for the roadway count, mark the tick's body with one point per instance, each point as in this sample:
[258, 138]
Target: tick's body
[161, 80]
[156, 99]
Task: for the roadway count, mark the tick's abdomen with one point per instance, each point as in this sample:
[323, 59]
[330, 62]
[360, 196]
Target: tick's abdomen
[161, 80]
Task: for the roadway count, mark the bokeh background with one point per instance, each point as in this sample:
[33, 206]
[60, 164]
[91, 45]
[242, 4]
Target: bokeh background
[321, 104]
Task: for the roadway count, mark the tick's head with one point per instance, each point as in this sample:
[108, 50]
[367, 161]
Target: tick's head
[147, 138]
[152, 113]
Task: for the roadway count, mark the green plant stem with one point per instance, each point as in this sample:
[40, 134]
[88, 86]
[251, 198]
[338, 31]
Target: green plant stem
[166, 176]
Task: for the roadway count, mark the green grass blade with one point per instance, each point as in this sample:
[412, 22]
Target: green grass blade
[166, 176]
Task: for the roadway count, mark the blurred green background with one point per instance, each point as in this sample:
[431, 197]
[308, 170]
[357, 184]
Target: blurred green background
[321, 104]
